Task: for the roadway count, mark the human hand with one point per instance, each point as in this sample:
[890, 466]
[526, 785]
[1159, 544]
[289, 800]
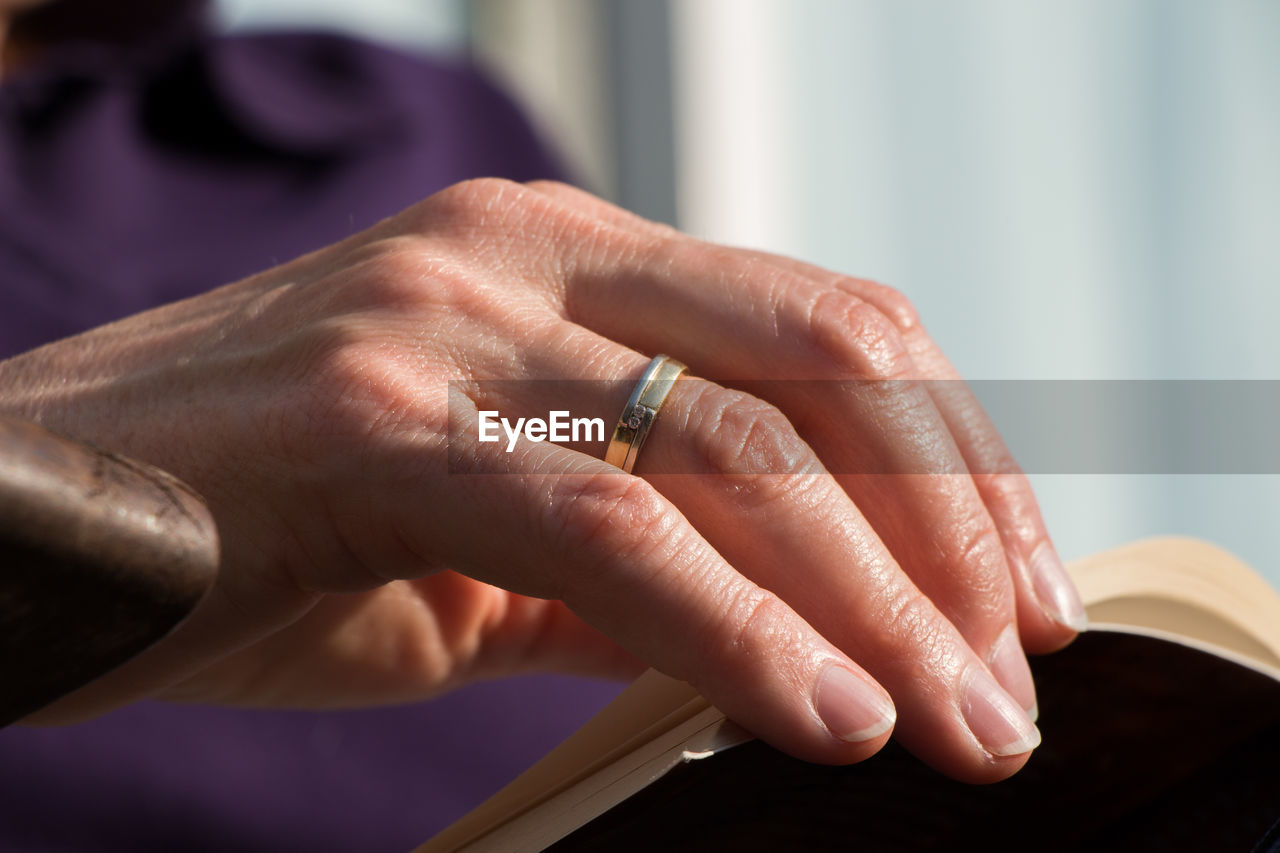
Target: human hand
[312, 404]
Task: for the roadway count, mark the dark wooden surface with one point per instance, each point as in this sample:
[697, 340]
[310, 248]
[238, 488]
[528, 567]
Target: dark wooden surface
[100, 557]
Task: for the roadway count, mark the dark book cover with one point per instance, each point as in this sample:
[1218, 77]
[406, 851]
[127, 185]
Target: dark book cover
[1148, 745]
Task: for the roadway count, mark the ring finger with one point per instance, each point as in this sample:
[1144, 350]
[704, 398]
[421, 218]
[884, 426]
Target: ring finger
[796, 533]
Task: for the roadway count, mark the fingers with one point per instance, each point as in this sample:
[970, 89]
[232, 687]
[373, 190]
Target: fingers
[625, 560]
[730, 315]
[808, 545]
[760, 328]
[1048, 607]
[406, 641]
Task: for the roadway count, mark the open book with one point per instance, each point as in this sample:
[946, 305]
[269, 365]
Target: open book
[1161, 730]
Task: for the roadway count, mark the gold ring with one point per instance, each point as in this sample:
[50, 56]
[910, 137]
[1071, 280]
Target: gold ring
[641, 411]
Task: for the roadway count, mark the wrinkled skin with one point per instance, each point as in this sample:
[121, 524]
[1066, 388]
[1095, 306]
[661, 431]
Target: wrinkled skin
[310, 405]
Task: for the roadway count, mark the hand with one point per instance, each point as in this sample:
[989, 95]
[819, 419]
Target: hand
[312, 406]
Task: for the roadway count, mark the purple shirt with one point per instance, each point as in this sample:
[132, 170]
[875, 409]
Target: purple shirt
[133, 178]
[130, 178]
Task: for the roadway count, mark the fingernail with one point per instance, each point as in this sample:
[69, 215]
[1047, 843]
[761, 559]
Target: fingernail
[1055, 590]
[851, 708]
[995, 718]
[1008, 663]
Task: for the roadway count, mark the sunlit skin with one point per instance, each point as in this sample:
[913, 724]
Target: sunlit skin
[310, 405]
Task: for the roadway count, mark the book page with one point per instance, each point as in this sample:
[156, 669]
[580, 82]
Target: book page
[1183, 586]
[653, 704]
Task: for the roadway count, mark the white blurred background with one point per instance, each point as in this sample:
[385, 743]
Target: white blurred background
[1084, 190]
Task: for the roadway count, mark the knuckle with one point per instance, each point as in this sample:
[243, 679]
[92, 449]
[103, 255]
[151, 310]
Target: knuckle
[496, 207]
[474, 213]
[470, 199]
[993, 461]
[752, 626]
[857, 337]
[741, 434]
[979, 541]
[610, 521]
[402, 274]
[558, 188]
[894, 305]
[911, 622]
[551, 184]
[909, 612]
[1008, 489]
[348, 388]
[1013, 508]
[513, 231]
[981, 567]
[405, 277]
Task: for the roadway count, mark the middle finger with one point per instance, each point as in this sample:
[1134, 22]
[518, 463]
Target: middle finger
[796, 532]
[838, 369]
